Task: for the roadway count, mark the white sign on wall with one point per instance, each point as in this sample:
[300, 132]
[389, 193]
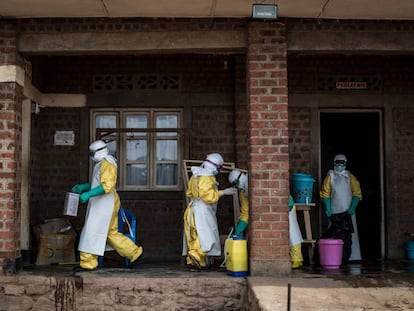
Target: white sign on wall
[347, 85]
[64, 138]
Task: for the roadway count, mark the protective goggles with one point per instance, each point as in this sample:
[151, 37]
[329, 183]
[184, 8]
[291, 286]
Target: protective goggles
[93, 152]
[340, 162]
[216, 165]
[235, 182]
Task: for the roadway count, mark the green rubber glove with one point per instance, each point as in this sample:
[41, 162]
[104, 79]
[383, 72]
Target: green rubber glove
[241, 226]
[352, 207]
[291, 203]
[81, 188]
[328, 207]
[84, 197]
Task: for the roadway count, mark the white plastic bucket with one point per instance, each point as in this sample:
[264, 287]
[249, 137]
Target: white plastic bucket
[71, 204]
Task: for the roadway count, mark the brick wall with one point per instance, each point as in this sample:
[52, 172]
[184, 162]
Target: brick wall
[74, 74]
[402, 216]
[394, 72]
[240, 113]
[54, 169]
[268, 140]
[299, 140]
[11, 97]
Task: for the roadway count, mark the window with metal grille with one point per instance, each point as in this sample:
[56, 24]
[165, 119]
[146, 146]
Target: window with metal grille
[148, 144]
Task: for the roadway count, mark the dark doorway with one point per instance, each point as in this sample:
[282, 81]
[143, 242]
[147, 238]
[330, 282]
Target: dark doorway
[357, 135]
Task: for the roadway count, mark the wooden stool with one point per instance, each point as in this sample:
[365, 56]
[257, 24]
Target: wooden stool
[308, 241]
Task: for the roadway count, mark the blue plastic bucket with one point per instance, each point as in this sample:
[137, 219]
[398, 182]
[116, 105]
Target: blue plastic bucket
[410, 250]
[302, 187]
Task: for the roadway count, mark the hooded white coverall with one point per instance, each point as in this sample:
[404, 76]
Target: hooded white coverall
[201, 232]
[101, 221]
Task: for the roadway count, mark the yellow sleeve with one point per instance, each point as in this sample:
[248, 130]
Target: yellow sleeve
[355, 187]
[108, 173]
[190, 187]
[203, 187]
[244, 207]
[326, 188]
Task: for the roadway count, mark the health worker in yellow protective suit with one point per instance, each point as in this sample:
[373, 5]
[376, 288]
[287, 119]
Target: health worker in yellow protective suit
[341, 193]
[295, 237]
[101, 221]
[239, 180]
[201, 235]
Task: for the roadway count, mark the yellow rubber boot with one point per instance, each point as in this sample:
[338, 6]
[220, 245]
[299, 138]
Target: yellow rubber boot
[88, 261]
[296, 256]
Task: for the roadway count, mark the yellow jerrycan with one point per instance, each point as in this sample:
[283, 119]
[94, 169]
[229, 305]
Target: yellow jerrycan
[235, 250]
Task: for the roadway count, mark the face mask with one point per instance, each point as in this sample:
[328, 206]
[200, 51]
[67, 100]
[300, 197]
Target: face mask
[339, 168]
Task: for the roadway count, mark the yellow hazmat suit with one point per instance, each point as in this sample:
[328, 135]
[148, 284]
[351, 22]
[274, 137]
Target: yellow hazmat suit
[101, 223]
[200, 222]
[295, 237]
[201, 234]
[244, 207]
[239, 180]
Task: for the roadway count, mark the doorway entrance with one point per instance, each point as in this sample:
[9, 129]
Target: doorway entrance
[357, 134]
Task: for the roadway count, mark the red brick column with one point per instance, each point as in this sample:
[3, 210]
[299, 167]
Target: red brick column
[268, 148]
[11, 97]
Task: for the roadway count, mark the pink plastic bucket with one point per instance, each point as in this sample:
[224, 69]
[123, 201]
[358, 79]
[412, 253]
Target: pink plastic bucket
[330, 253]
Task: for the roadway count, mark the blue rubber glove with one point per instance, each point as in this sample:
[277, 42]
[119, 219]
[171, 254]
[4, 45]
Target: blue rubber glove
[328, 207]
[84, 197]
[241, 226]
[352, 207]
[81, 188]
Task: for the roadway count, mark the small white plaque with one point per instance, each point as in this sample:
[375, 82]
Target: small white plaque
[64, 138]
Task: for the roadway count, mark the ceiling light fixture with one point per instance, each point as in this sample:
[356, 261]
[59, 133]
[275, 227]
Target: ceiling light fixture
[264, 11]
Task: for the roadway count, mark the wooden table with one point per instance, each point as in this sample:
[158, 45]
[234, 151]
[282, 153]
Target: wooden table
[303, 209]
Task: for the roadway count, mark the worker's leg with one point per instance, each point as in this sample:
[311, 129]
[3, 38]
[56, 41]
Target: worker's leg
[123, 245]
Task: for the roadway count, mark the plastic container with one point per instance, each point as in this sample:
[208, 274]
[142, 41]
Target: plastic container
[236, 256]
[410, 250]
[330, 253]
[302, 187]
[71, 204]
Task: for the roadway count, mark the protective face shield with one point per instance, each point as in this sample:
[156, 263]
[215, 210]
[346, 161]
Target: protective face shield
[214, 162]
[339, 163]
[98, 150]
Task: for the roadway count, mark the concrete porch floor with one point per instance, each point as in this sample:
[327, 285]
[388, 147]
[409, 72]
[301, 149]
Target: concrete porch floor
[378, 285]
[374, 285]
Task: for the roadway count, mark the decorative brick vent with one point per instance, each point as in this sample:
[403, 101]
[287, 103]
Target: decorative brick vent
[104, 83]
[28, 70]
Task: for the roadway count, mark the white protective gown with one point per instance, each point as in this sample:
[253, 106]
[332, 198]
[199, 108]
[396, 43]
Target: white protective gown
[205, 221]
[341, 197]
[295, 236]
[98, 217]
